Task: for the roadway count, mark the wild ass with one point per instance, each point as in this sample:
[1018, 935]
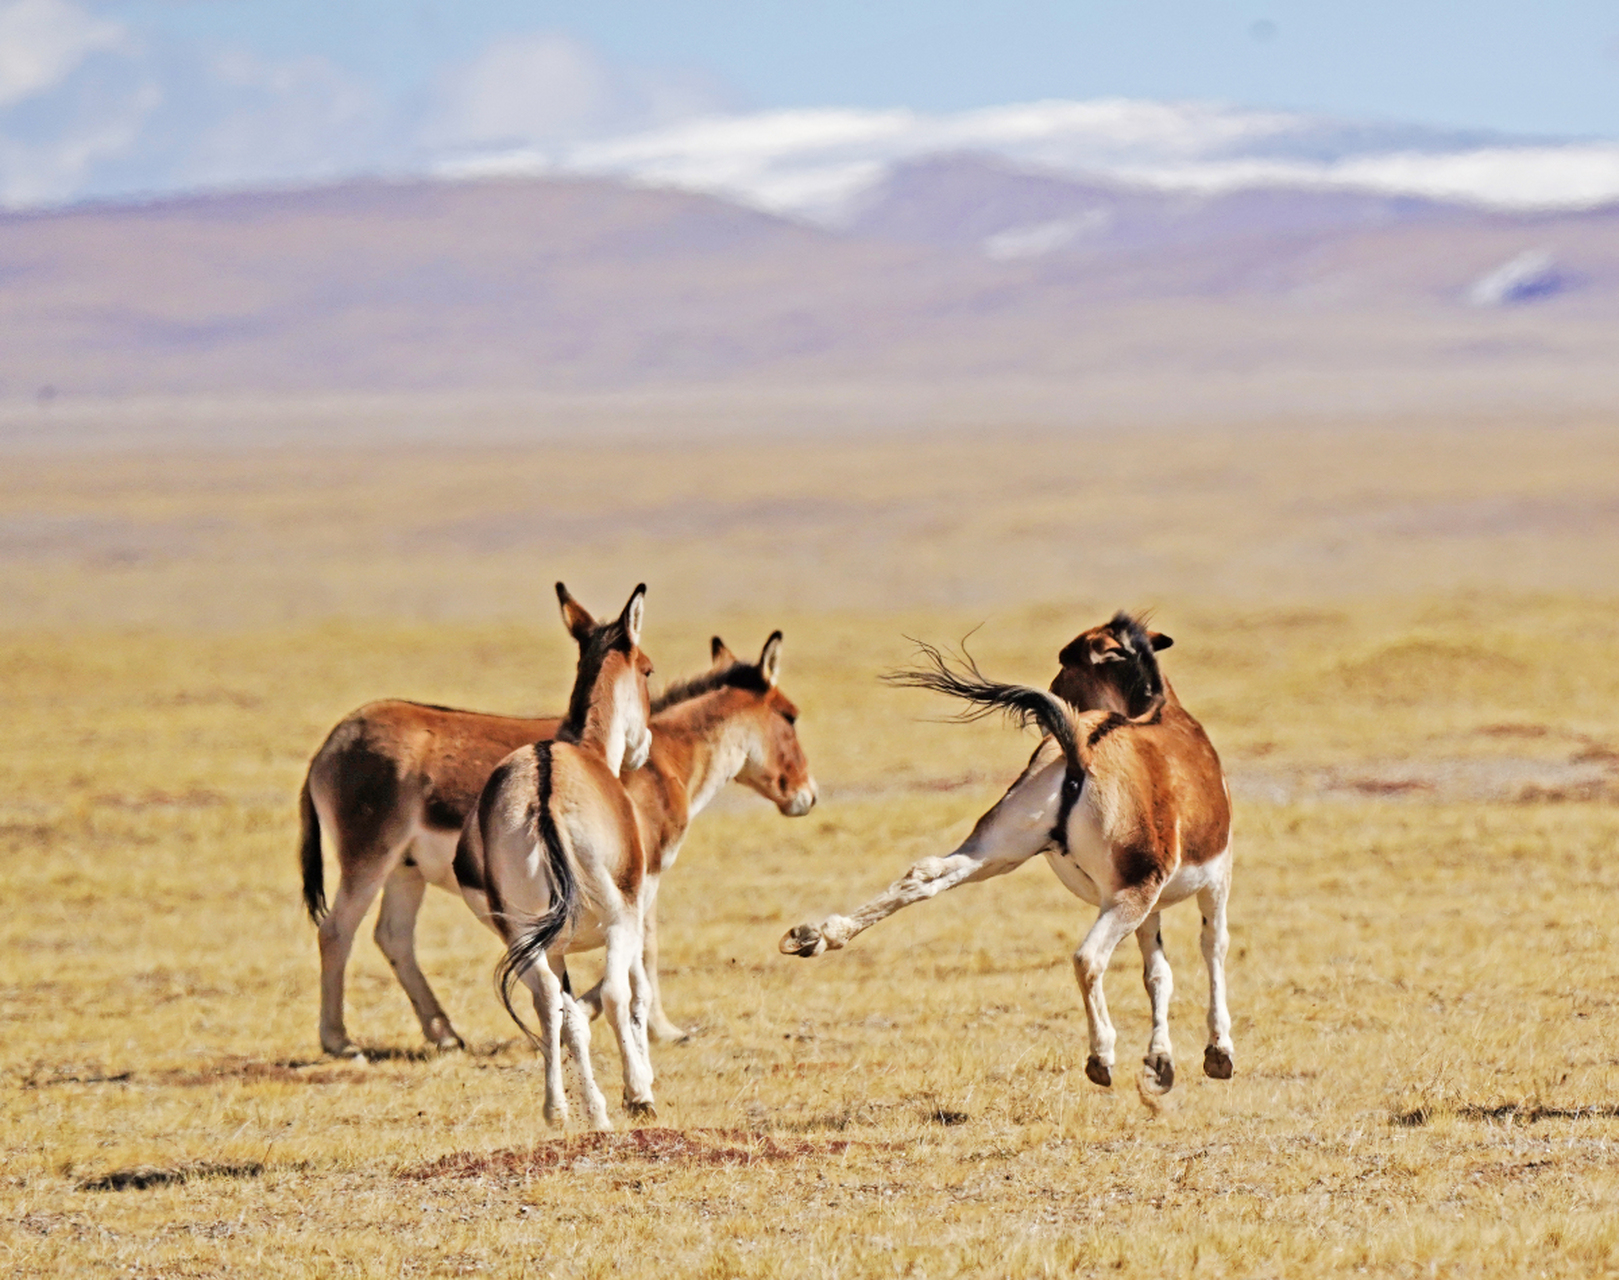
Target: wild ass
[730, 723]
[394, 782]
[551, 859]
[1125, 798]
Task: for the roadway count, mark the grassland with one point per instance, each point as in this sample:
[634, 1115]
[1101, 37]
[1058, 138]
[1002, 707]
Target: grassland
[1401, 644]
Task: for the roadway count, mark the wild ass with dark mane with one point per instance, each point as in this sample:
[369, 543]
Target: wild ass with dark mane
[1125, 798]
[551, 859]
[394, 782]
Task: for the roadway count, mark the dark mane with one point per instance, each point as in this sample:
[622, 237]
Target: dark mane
[603, 640]
[739, 675]
[1145, 684]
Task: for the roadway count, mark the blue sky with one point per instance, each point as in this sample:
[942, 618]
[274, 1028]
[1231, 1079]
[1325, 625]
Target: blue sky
[104, 98]
[1526, 66]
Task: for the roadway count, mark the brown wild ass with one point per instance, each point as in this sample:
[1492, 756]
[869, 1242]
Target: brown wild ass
[394, 781]
[1125, 798]
[551, 859]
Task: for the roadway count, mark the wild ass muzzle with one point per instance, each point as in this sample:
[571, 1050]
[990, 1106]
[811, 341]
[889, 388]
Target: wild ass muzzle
[551, 859]
[1125, 798]
[393, 783]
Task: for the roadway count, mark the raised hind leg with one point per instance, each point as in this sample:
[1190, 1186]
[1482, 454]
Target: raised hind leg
[357, 887]
[1116, 923]
[1211, 901]
[1160, 984]
[624, 1000]
[396, 935]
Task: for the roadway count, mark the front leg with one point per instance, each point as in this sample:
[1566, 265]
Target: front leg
[1017, 828]
[662, 1030]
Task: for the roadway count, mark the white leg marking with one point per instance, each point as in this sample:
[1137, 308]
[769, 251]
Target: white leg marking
[660, 1027]
[1090, 966]
[1212, 902]
[1160, 984]
[576, 1027]
[619, 1004]
[543, 981]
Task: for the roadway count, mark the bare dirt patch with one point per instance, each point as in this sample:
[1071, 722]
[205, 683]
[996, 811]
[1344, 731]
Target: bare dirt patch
[726, 1147]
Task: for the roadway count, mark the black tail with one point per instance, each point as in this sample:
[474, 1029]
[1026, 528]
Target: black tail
[1027, 706]
[309, 855]
[528, 948]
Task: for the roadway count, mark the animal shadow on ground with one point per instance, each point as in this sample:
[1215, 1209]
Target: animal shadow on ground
[726, 1147]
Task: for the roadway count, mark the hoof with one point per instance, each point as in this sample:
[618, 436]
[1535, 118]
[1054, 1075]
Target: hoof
[441, 1035]
[1216, 1063]
[1097, 1073]
[668, 1033]
[556, 1117]
[640, 1110]
[1161, 1070]
[345, 1049]
[805, 940]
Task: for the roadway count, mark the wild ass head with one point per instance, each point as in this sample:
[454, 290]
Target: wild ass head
[610, 707]
[774, 765]
[1112, 667]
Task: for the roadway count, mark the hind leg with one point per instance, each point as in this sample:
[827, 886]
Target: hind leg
[1160, 984]
[542, 980]
[576, 1029]
[355, 891]
[396, 936]
[1217, 1058]
[624, 1001]
[659, 1027]
[1090, 967]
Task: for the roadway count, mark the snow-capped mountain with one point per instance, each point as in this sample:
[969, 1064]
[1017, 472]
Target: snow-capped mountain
[818, 164]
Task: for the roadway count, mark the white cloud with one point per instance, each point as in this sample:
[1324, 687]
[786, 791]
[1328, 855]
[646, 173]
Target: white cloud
[542, 88]
[43, 41]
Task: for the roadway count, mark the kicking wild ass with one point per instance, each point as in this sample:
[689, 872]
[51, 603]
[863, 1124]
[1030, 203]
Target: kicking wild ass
[551, 859]
[395, 781]
[1125, 798]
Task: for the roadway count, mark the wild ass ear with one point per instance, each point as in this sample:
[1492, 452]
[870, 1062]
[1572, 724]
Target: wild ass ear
[719, 654]
[634, 613]
[1159, 640]
[770, 659]
[1107, 649]
[575, 616]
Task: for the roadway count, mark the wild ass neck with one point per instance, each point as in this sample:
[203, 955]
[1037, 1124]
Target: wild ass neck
[696, 749]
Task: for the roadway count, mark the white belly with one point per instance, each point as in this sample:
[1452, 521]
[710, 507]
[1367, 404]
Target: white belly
[1086, 869]
[433, 852]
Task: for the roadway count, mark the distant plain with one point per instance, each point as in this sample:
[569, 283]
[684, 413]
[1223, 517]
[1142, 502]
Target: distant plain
[1400, 632]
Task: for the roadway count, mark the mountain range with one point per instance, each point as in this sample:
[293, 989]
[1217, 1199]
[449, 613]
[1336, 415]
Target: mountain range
[956, 267]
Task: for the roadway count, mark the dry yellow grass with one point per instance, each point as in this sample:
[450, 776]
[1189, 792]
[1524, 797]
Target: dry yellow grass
[1425, 960]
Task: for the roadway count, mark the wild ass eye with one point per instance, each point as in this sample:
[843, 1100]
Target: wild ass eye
[791, 717]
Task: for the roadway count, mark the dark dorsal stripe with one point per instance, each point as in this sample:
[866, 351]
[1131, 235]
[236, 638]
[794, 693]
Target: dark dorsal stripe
[739, 675]
[1073, 784]
[1110, 722]
[528, 944]
[592, 654]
